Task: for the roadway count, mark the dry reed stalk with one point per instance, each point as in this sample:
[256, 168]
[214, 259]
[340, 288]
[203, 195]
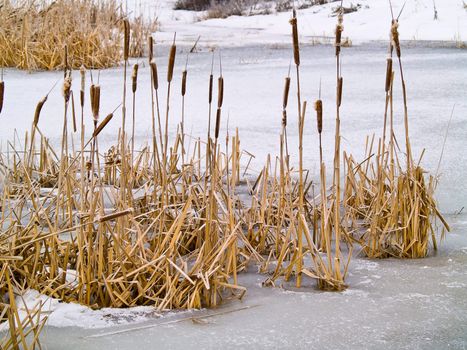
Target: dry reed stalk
[134, 86]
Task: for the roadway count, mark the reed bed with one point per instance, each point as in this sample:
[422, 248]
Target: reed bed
[392, 199]
[168, 226]
[34, 33]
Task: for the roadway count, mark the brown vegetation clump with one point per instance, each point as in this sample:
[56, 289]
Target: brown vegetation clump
[33, 34]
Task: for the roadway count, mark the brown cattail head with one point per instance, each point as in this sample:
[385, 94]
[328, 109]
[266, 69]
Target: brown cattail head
[126, 39]
[151, 48]
[218, 123]
[102, 125]
[296, 47]
[286, 93]
[134, 78]
[95, 101]
[340, 83]
[339, 30]
[319, 115]
[395, 37]
[115, 215]
[67, 86]
[220, 92]
[170, 68]
[2, 94]
[154, 77]
[284, 118]
[184, 82]
[388, 74]
[82, 72]
[37, 112]
[211, 80]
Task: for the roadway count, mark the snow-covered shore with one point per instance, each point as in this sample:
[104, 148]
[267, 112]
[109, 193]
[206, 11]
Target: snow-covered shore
[370, 23]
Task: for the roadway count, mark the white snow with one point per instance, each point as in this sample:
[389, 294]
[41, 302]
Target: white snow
[371, 22]
[61, 314]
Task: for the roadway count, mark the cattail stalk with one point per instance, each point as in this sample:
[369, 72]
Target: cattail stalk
[126, 51]
[134, 86]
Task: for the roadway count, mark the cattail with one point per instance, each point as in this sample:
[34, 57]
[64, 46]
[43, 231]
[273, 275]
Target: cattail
[134, 78]
[126, 39]
[319, 115]
[102, 125]
[151, 48]
[211, 80]
[82, 72]
[95, 101]
[395, 37]
[155, 79]
[65, 61]
[296, 47]
[339, 91]
[2, 94]
[388, 74]
[220, 92]
[339, 30]
[67, 86]
[218, 123]
[38, 110]
[286, 92]
[284, 118]
[170, 69]
[184, 82]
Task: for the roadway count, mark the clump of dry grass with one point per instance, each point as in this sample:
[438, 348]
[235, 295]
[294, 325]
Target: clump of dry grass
[394, 201]
[34, 34]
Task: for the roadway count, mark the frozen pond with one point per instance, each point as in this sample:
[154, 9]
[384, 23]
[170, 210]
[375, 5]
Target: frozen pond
[420, 304]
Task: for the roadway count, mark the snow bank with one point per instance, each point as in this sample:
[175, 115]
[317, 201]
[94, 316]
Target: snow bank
[371, 22]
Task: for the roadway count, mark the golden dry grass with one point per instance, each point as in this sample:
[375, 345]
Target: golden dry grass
[34, 33]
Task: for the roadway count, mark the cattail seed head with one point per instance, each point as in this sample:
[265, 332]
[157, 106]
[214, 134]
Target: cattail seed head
[211, 80]
[126, 39]
[220, 92]
[67, 86]
[319, 115]
[284, 118]
[2, 94]
[388, 74]
[170, 68]
[395, 37]
[339, 30]
[102, 125]
[286, 93]
[82, 72]
[154, 77]
[296, 47]
[95, 93]
[134, 78]
[151, 48]
[38, 110]
[339, 91]
[184, 82]
[218, 123]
